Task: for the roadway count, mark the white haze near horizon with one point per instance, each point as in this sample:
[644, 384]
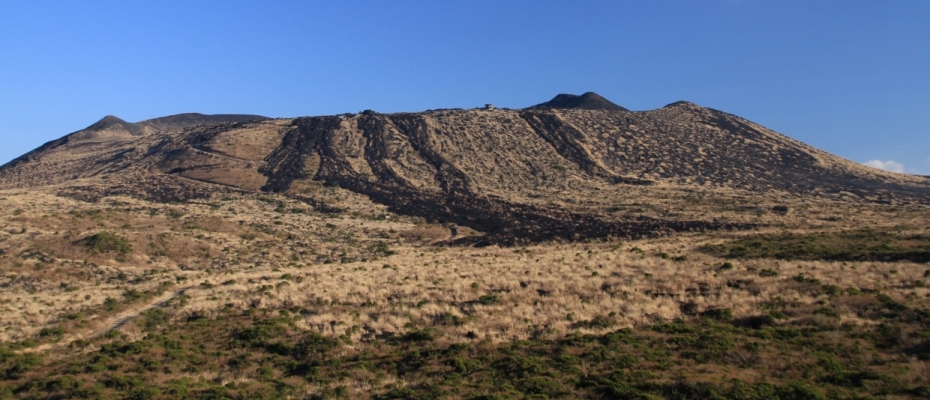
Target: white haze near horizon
[890, 165]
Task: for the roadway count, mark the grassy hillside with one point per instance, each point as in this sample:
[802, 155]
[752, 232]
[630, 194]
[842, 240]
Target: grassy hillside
[266, 296]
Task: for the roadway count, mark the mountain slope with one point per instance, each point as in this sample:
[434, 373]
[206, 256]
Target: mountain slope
[95, 148]
[531, 174]
[186, 120]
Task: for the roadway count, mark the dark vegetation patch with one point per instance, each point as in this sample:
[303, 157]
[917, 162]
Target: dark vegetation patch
[860, 245]
[158, 188]
[106, 242]
[712, 355]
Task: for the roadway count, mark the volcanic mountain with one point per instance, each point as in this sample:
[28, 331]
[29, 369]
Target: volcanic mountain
[555, 170]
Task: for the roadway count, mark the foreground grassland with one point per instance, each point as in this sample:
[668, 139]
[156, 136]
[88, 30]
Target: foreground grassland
[258, 354]
[265, 297]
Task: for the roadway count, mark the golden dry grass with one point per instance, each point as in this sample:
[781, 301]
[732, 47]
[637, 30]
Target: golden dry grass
[366, 273]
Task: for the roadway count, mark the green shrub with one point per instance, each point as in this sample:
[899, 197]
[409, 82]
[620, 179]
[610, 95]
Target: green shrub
[56, 331]
[827, 311]
[542, 386]
[448, 319]
[132, 295]
[23, 364]
[488, 299]
[314, 343]
[105, 242]
[598, 322]
[153, 318]
[381, 249]
[265, 373]
[261, 332]
[425, 335]
[802, 392]
[720, 314]
[149, 364]
[768, 273]
[832, 290]
[110, 304]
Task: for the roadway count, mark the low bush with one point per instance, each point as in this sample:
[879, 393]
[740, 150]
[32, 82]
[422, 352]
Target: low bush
[598, 322]
[105, 242]
[768, 273]
[488, 299]
[720, 314]
[799, 356]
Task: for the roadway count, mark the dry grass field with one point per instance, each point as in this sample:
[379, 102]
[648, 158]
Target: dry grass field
[80, 277]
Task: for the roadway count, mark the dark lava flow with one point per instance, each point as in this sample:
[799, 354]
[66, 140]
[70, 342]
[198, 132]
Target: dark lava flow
[503, 222]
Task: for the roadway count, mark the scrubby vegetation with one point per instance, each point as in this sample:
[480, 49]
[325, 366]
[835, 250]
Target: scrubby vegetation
[105, 242]
[859, 245]
[241, 297]
[264, 354]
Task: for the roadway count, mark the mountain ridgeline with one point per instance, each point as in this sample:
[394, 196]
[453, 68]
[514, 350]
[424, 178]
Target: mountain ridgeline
[113, 129]
[550, 171]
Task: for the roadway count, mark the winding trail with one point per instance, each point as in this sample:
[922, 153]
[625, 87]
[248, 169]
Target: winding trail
[111, 323]
[122, 318]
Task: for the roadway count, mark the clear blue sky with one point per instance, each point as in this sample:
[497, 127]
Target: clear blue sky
[850, 77]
